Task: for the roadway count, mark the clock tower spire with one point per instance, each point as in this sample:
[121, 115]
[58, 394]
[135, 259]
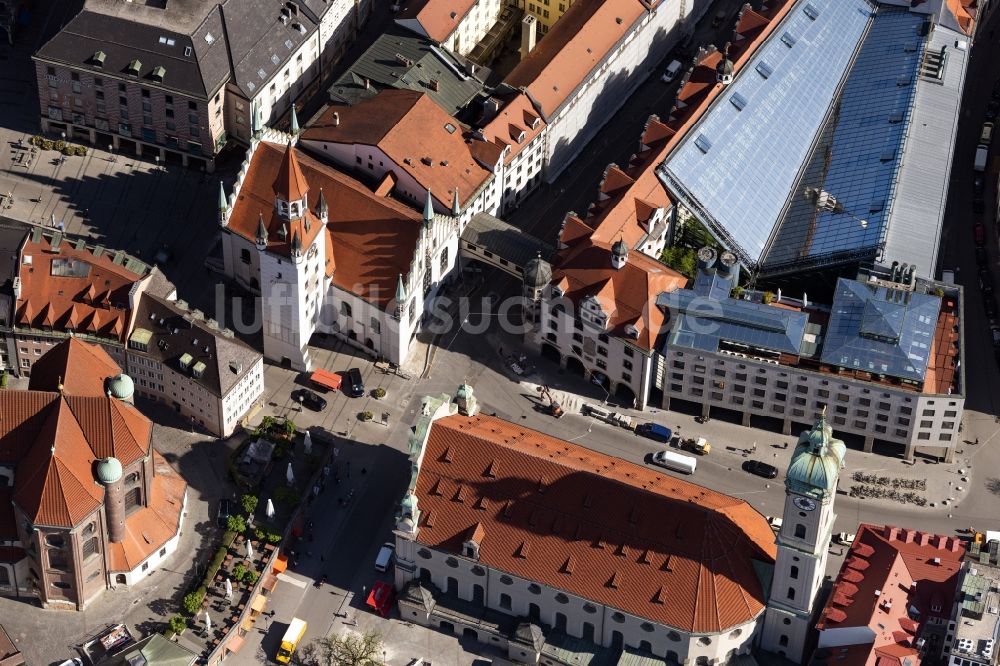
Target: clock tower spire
[804, 539]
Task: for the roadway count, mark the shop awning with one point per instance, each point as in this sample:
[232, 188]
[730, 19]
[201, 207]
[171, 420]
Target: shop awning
[258, 604]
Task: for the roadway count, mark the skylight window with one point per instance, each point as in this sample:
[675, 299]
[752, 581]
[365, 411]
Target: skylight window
[209, 37]
[275, 59]
[764, 69]
[167, 40]
[788, 39]
[262, 74]
[288, 44]
[704, 145]
[187, 51]
[810, 11]
[738, 100]
[450, 128]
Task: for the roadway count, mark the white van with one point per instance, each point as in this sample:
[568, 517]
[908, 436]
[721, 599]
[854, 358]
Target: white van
[384, 557]
[673, 69]
[675, 461]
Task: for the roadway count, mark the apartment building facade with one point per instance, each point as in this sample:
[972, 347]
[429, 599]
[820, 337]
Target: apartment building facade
[68, 289]
[458, 27]
[731, 361]
[604, 585]
[177, 81]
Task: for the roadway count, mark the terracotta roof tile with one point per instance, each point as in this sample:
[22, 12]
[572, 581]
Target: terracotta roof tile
[436, 18]
[888, 571]
[371, 239]
[54, 284]
[90, 365]
[289, 184]
[546, 533]
[628, 295]
[572, 49]
[415, 133]
[56, 483]
[148, 529]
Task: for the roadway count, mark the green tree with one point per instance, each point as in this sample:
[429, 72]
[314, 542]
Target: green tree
[192, 600]
[290, 427]
[350, 650]
[249, 503]
[177, 624]
[236, 524]
[684, 260]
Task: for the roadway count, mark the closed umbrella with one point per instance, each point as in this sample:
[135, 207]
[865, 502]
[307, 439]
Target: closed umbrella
[289, 475]
[269, 510]
[249, 550]
[307, 443]
[229, 589]
[208, 623]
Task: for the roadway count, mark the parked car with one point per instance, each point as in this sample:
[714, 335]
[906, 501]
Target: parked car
[354, 385]
[977, 206]
[979, 233]
[995, 333]
[981, 257]
[385, 556]
[654, 431]
[673, 69]
[993, 109]
[309, 399]
[225, 510]
[760, 469]
[845, 538]
[774, 522]
[985, 280]
[978, 184]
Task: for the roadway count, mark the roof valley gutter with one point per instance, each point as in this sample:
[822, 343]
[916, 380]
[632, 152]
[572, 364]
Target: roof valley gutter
[804, 165]
[229, 50]
[440, 55]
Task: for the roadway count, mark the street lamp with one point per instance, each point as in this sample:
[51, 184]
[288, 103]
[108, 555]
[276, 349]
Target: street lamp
[157, 158]
[596, 381]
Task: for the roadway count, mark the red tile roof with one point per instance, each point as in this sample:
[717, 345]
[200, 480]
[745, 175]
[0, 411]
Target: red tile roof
[438, 18]
[601, 528]
[627, 295]
[415, 133]
[516, 125]
[90, 363]
[53, 439]
[888, 571]
[371, 239]
[289, 183]
[148, 529]
[66, 285]
[577, 44]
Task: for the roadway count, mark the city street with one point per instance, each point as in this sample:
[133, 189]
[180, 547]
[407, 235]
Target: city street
[575, 189]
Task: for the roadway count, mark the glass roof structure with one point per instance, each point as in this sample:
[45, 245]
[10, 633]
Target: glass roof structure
[881, 330]
[703, 323]
[768, 120]
[857, 157]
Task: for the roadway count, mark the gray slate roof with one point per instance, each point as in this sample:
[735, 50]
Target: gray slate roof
[247, 33]
[419, 62]
[226, 359]
[504, 240]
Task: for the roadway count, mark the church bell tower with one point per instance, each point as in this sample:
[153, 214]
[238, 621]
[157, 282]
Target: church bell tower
[803, 541]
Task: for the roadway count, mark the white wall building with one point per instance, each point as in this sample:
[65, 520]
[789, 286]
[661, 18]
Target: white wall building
[312, 243]
[545, 554]
[589, 63]
[456, 26]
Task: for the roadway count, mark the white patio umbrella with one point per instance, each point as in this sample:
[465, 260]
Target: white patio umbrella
[229, 589]
[289, 475]
[208, 623]
[307, 442]
[269, 510]
[249, 549]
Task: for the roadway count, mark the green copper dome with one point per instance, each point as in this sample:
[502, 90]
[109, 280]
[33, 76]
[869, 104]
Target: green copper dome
[120, 386]
[464, 392]
[816, 462]
[109, 471]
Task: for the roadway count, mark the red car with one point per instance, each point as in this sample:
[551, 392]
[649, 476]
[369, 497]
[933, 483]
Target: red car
[979, 233]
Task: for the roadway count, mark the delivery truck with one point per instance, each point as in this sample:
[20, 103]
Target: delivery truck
[293, 635]
[698, 445]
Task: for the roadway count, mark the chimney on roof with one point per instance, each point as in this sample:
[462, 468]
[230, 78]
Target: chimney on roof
[529, 28]
[368, 83]
[336, 119]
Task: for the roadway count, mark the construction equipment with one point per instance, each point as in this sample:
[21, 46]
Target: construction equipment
[554, 408]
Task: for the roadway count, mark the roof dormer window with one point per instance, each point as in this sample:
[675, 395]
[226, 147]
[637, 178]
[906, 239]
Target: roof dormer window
[134, 67]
